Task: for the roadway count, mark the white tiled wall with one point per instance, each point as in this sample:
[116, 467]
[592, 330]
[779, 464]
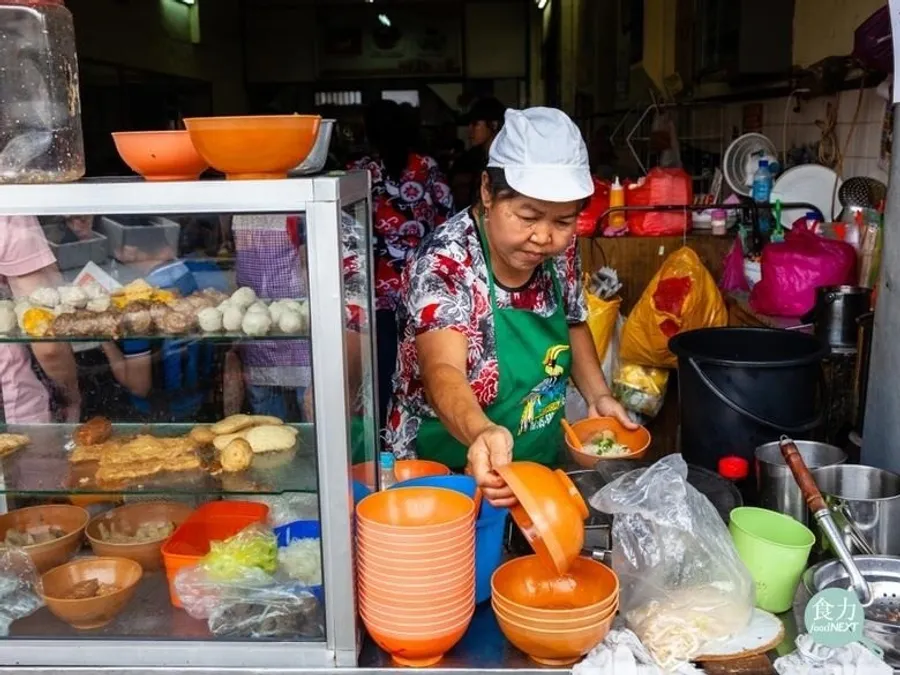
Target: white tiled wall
[862, 156]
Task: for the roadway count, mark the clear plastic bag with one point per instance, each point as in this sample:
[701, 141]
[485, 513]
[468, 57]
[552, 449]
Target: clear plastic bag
[641, 389]
[682, 583]
[238, 589]
[20, 587]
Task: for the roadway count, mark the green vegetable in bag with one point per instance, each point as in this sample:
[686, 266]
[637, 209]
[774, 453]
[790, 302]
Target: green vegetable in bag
[254, 547]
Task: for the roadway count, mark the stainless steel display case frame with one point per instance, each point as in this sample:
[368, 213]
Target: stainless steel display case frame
[322, 199]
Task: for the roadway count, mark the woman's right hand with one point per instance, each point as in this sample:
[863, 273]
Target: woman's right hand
[492, 448]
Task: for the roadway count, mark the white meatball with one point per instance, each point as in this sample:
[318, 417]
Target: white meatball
[99, 304]
[256, 323]
[225, 304]
[8, 320]
[210, 320]
[63, 309]
[259, 306]
[232, 318]
[290, 322]
[73, 295]
[93, 290]
[45, 297]
[243, 297]
[294, 305]
[276, 309]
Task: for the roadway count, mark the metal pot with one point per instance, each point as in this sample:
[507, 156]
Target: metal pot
[865, 503]
[777, 488]
[836, 312]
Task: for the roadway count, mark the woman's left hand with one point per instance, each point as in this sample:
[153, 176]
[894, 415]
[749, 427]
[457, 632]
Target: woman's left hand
[607, 406]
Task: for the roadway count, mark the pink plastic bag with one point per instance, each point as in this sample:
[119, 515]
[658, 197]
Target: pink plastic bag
[791, 272]
[733, 277]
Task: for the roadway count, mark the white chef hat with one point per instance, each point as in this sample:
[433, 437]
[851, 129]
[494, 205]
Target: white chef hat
[543, 155]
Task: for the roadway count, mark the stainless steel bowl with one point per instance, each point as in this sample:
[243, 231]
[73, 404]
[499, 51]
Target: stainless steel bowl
[318, 156]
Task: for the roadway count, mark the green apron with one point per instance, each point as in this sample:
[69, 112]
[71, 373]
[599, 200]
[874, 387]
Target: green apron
[534, 360]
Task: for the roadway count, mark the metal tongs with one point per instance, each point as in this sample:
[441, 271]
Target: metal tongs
[822, 514]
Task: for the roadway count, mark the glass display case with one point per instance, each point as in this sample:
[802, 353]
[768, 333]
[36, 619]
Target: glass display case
[143, 359]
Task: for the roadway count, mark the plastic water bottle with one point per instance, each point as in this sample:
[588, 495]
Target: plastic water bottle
[762, 191]
[386, 464]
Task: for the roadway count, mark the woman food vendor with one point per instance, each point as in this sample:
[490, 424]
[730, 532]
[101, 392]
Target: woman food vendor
[494, 315]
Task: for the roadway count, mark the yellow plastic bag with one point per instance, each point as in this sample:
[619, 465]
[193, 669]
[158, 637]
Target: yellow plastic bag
[682, 296]
[641, 389]
[601, 320]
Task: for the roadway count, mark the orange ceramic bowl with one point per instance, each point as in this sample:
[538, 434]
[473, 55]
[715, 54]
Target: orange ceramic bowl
[160, 155]
[555, 624]
[413, 573]
[69, 519]
[407, 469]
[415, 546]
[417, 566]
[552, 647]
[413, 601]
[428, 535]
[551, 512]
[445, 576]
[416, 510]
[388, 614]
[637, 440]
[88, 613]
[126, 520]
[423, 589]
[254, 147]
[526, 586]
[417, 648]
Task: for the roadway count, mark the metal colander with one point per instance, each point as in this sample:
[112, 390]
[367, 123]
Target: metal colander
[882, 573]
[862, 191]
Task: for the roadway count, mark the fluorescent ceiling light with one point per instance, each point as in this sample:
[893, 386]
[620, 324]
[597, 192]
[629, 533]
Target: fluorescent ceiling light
[542, 3]
[384, 20]
[190, 3]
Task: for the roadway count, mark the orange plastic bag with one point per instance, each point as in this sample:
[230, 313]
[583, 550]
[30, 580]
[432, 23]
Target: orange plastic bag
[682, 296]
[601, 320]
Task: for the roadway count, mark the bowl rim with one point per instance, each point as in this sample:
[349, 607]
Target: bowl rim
[591, 618]
[593, 627]
[416, 544]
[413, 529]
[90, 559]
[35, 547]
[590, 561]
[108, 516]
[411, 600]
[158, 132]
[372, 553]
[248, 118]
[456, 610]
[370, 528]
[403, 577]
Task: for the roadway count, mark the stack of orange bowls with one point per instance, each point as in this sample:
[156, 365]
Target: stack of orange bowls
[415, 560]
[554, 619]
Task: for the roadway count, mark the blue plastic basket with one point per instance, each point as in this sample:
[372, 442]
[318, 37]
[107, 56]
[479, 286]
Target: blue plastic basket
[489, 528]
[301, 529]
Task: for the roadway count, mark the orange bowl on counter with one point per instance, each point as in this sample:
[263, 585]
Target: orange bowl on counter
[254, 147]
[70, 520]
[561, 624]
[160, 155]
[637, 440]
[127, 520]
[388, 558]
[429, 535]
[377, 577]
[554, 647]
[527, 586]
[550, 513]
[412, 601]
[388, 615]
[90, 612]
[407, 469]
[416, 511]
[412, 546]
[420, 647]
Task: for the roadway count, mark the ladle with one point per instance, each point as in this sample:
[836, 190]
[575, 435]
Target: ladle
[822, 514]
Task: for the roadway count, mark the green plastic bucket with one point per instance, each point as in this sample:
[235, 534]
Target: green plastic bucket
[775, 548]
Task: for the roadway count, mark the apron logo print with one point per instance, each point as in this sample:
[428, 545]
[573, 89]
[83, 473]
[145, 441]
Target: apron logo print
[543, 402]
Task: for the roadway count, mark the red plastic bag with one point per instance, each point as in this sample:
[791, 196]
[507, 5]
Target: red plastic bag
[791, 272]
[733, 277]
[661, 187]
[598, 204]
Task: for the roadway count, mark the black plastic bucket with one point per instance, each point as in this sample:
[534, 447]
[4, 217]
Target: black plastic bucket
[739, 388]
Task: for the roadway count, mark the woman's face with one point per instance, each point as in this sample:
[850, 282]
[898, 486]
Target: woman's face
[525, 232]
[481, 132]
